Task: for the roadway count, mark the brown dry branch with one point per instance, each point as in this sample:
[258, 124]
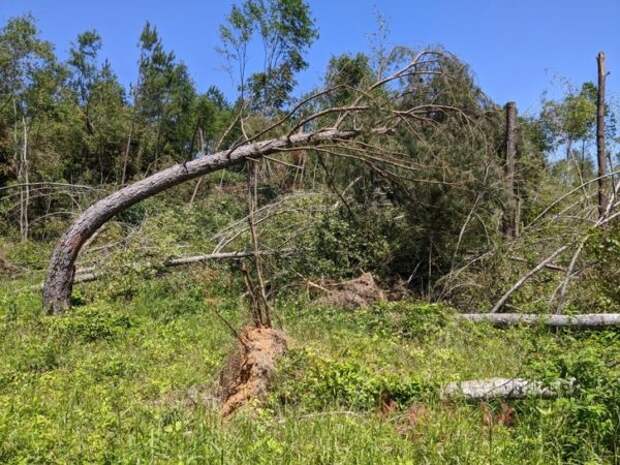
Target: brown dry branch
[262, 306]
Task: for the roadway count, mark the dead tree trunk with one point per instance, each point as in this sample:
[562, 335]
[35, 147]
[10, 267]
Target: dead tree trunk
[600, 135]
[510, 210]
[61, 270]
[503, 388]
[585, 321]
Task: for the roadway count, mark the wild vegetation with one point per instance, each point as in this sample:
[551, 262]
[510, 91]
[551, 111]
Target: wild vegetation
[295, 291]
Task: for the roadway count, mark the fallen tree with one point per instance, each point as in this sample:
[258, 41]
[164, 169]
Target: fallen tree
[583, 321]
[58, 285]
[88, 274]
[374, 112]
[503, 388]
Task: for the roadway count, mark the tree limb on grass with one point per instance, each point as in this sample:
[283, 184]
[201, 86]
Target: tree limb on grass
[503, 388]
[583, 321]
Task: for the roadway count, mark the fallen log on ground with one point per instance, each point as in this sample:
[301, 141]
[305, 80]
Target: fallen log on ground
[89, 274]
[504, 388]
[583, 321]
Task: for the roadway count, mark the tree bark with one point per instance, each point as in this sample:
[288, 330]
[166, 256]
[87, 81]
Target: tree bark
[584, 321]
[61, 270]
[600, 135]
[510, 209]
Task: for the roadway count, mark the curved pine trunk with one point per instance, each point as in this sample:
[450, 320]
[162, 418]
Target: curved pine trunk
[59, 282]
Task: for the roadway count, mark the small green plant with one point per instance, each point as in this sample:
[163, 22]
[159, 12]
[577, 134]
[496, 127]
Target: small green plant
[90, 323]
[586, 421]
[313, 382]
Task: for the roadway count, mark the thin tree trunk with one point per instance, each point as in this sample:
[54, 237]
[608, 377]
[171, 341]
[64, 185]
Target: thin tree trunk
[510, 210]
[263, 309]
[569, 147]
[59, 281]
[126, 157]
[197, 186]
[600, 135]
[25, 180]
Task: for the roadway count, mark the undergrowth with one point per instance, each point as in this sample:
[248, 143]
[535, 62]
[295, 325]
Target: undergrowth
[98, 384]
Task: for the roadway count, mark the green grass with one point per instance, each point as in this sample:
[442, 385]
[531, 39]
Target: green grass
[97, 385]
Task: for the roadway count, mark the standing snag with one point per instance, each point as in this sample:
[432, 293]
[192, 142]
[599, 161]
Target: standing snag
[510, 226]
[600, 135]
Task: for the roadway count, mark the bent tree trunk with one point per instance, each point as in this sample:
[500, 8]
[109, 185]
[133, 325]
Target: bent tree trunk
[61, 270]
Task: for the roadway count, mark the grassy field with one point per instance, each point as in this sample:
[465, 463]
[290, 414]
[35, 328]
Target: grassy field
[112, 382]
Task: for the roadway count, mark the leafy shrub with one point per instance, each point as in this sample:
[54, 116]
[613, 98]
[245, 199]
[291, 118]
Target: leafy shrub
[336, 245]
[412, 320]
[90, 323]
[314, 382]
[603, 250]
[587, 422]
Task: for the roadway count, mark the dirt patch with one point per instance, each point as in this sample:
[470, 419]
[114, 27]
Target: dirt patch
[409, 423]
[355, 293]
[506, 416]
[249, 369]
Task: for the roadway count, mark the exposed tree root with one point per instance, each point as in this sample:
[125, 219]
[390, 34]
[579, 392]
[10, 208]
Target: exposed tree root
[249, 369]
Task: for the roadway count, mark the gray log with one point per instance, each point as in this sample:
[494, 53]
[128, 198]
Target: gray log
[221, 256]
[86, 275]
[503, 388]
[583, 321]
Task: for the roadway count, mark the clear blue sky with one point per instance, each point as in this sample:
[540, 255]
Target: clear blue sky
[514, 47]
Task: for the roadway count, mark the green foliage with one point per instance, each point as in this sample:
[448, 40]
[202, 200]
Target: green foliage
[114, 375]
[345, 74]
[339, 246]
[590, 415]
[109, 381]
[318, 383]
[286, 29]
[411, 320]
[603, 250]
[90, 323]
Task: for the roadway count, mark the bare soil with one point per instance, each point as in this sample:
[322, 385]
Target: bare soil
[359, 292]
[249, 369]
